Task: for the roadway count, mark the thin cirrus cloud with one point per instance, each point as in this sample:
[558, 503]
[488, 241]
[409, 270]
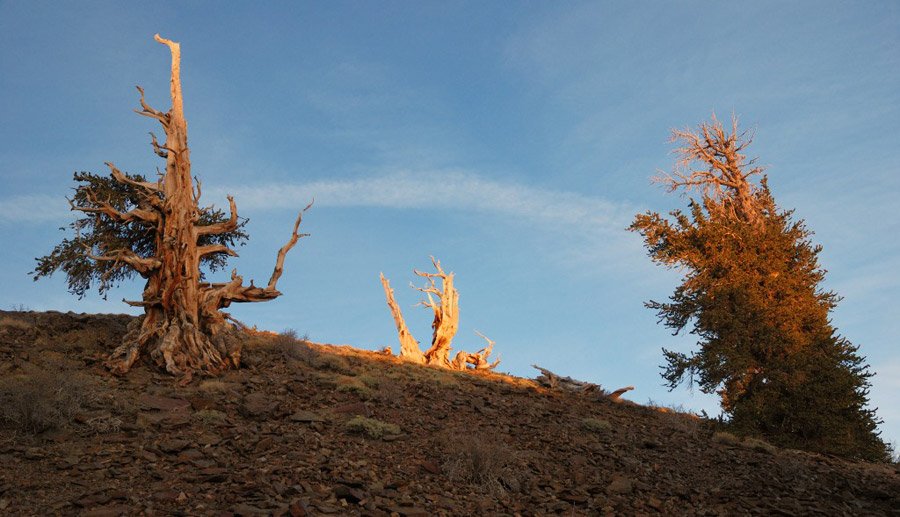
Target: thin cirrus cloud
[33, 208]
[458, 190]
[580, 222]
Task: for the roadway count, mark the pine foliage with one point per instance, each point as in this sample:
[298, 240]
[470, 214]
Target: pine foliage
[751, 294]
[99, 234]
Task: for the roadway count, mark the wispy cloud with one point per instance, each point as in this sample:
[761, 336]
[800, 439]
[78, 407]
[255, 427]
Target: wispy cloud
[33, 208]
[450, 189]
[446, 190]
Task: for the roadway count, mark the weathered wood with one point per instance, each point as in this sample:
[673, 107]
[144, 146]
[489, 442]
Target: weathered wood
[409, 347]
[446, 313]
[554, 381]
[183, 329]
[724, 176]
[443, 300]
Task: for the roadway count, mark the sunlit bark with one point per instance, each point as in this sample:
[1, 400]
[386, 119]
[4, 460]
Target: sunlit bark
[183, 329]
[443, 300]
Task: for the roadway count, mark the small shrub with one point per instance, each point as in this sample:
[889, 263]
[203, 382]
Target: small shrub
[727, 438]
[41, 400]
[759, 445]
[595, 425]
[369, 381]
[14, 323]
[486, 463]
[331, 362]
[288, 344]
[352, 385]
[370, 427]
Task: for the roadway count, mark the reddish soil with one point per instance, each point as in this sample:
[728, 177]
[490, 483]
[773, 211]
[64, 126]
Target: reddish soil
[283, 436]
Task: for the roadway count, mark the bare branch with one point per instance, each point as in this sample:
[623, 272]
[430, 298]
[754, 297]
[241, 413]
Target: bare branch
[279, 263]
[161, 150]
[147, 111]
[724, 176]
[215, 248]
[140, 264]
[142, 303]
[197, 190]
[223, 227]
[150, 188]
[137, 214]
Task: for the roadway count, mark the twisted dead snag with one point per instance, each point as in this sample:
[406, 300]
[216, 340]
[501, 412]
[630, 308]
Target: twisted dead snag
[443, 300]
[183, 329]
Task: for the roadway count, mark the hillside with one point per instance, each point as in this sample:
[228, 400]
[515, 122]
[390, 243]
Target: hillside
[307, 429]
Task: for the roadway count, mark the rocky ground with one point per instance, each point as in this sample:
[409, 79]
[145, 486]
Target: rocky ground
[307, 429]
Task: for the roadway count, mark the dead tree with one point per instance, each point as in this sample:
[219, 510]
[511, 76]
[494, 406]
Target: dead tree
[443, 300]
[723, 177]
[183, 329]
[409, 347]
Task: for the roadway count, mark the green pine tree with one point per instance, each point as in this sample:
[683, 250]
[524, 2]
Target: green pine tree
[99, 233]
[751, 294]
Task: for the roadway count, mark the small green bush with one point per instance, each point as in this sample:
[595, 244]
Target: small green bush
[352, 385]
[331, 362]
[595, 425]
[370, 427]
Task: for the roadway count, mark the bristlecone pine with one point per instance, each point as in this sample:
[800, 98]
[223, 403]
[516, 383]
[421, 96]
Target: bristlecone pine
[752, 294]
[183, 330]
[444, 302]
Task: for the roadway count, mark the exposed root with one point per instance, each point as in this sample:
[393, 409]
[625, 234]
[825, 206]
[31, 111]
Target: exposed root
[179, 347]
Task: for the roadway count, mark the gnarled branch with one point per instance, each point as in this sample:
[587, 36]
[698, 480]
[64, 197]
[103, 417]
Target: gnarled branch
[725, 176]
[149, 188]
[137, 214]
[140, 264]
[279, 262]
[222, 227]
[215, 248]
[147, 111]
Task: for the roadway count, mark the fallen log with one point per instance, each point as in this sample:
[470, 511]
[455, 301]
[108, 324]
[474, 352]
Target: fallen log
[551, 380]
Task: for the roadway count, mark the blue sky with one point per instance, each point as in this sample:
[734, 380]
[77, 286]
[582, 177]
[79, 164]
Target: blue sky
[515, 143]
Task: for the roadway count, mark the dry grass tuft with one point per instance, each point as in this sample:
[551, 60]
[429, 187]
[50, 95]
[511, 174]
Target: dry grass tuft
[8, 322]
[485, 463]
[726, 438]
[103, 424]
[40, 401]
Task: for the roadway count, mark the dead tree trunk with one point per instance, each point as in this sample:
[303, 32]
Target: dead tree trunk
[409, 347]
[183, 329]
[443, 300]
[446, 313]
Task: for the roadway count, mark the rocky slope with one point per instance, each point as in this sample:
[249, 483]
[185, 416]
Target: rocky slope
[309, 429]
